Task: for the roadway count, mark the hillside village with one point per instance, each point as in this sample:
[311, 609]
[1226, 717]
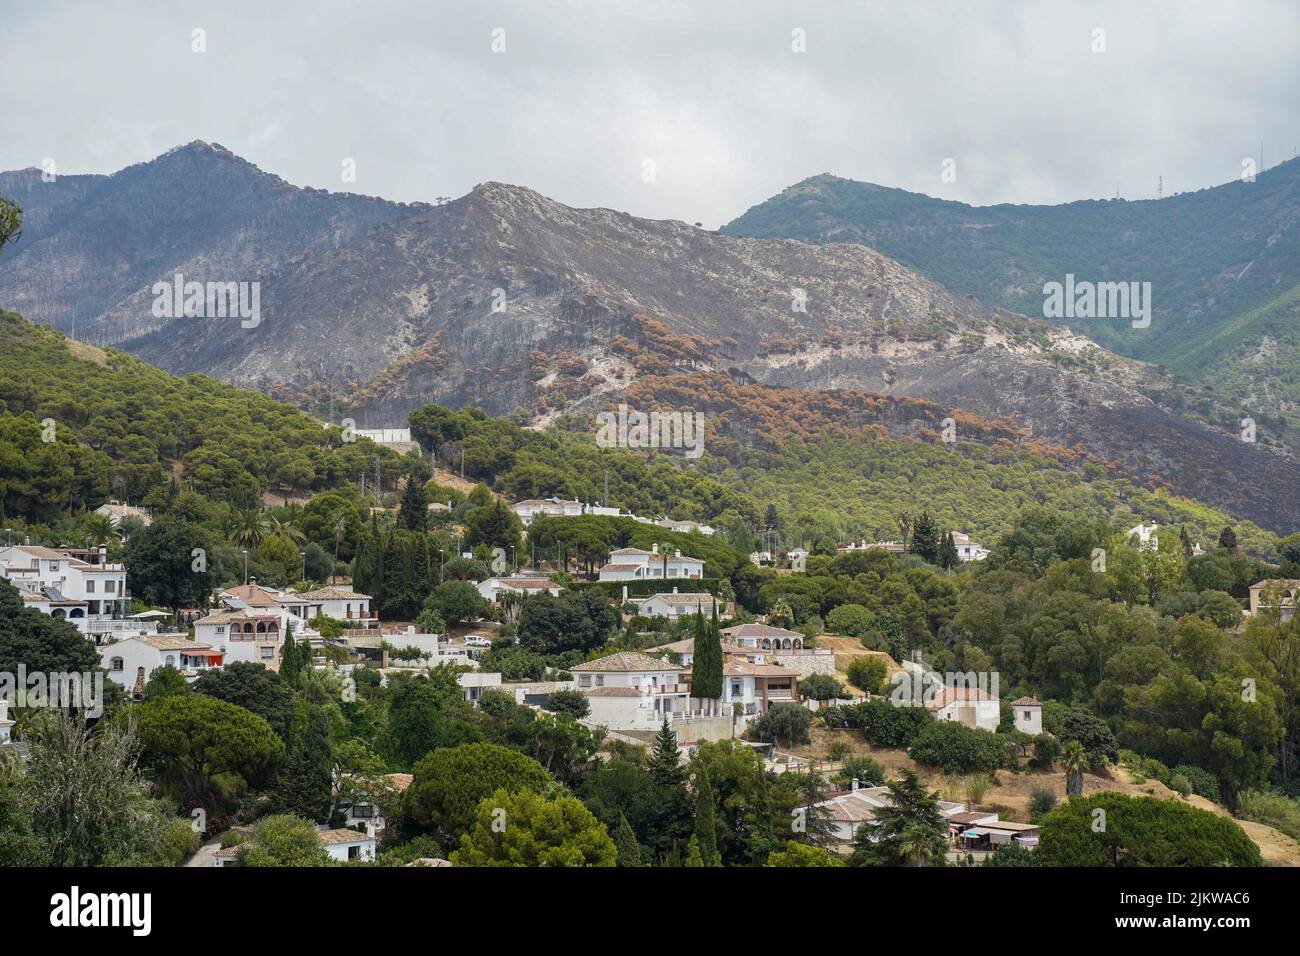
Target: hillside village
[685, 668]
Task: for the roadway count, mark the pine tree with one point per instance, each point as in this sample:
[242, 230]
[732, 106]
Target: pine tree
[414, 513]
[705, 837]
[665, 764]
[302, 786]
[1228, 539]
[693, 857]
[629, 851]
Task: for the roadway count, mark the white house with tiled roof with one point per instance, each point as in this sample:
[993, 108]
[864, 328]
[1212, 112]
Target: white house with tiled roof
[132, 661]
[968, 550]
[91, 596]
[530, 508]
[342, 604]
[636, 564]
[632, 691]
[246, 635]
[1028, 715]
[849, 812]
[492, 588]
[116, 513]
[674, 604]
[969, 706]
[763, 636]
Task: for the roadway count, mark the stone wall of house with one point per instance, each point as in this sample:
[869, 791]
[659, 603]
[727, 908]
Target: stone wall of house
[809, 660]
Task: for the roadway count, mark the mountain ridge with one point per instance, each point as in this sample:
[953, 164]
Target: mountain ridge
[510, 301]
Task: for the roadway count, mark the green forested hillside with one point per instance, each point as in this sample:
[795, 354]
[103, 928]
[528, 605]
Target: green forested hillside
[79, 425]
[1224, 264]
[825, 488]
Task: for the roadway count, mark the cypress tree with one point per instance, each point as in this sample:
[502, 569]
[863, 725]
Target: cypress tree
[414, 513]
[706, 668]
[705, 837]
[629, 851]
[925, 538]
[948, 551]
[290, 662]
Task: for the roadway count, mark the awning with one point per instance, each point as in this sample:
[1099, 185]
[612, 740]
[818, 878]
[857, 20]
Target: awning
[201, 653]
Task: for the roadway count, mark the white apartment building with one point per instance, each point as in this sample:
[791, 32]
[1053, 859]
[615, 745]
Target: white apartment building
[634, 564]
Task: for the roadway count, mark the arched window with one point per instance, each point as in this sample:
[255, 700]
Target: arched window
[170, 660]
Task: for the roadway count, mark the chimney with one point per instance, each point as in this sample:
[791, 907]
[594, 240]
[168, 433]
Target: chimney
[677, 553]
[674, 590]
[855, 784]
[654, 548]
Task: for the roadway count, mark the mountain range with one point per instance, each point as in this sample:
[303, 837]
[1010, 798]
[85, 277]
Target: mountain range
[515, 303]
[1223, 263]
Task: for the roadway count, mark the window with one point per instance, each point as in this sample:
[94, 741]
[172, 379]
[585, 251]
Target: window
[268, 653]
[116, 664]
[110, 587]
[354, 853]
[600, 680]
[170, 660]
[1026, 715]
[584, 680]
[90, 587]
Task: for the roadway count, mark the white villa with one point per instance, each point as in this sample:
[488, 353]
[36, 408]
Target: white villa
[1147, 539]
[968, 550]
[969, 706]
[1275, 594]
[677, 604]
[116, 512]
[341, 604]
[131, 662]
[632, 691]
[492, 588]
[763, 636]
[530, 508]
[634, 564]
[79, 586]
[252, 621]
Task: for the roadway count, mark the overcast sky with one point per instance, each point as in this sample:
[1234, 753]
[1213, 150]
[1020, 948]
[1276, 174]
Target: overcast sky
[585, 92]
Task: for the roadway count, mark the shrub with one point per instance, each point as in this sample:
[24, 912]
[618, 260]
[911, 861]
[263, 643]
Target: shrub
[574, 703]
[784, 724]
[1180, 786]
[1272, 809]
[865, 770]
[957, 749]
[820, 687]
[867, 673]
[883, 723]
[1046, 749]
[1203, 783]
[1042, 801]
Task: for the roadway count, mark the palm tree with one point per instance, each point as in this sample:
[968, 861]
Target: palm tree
[922, 845]
[98, 530]
[1074, 761]
[288, 529]
[339, 524]
[249, 527]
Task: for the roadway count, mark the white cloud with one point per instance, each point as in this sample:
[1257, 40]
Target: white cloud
[712, 92]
